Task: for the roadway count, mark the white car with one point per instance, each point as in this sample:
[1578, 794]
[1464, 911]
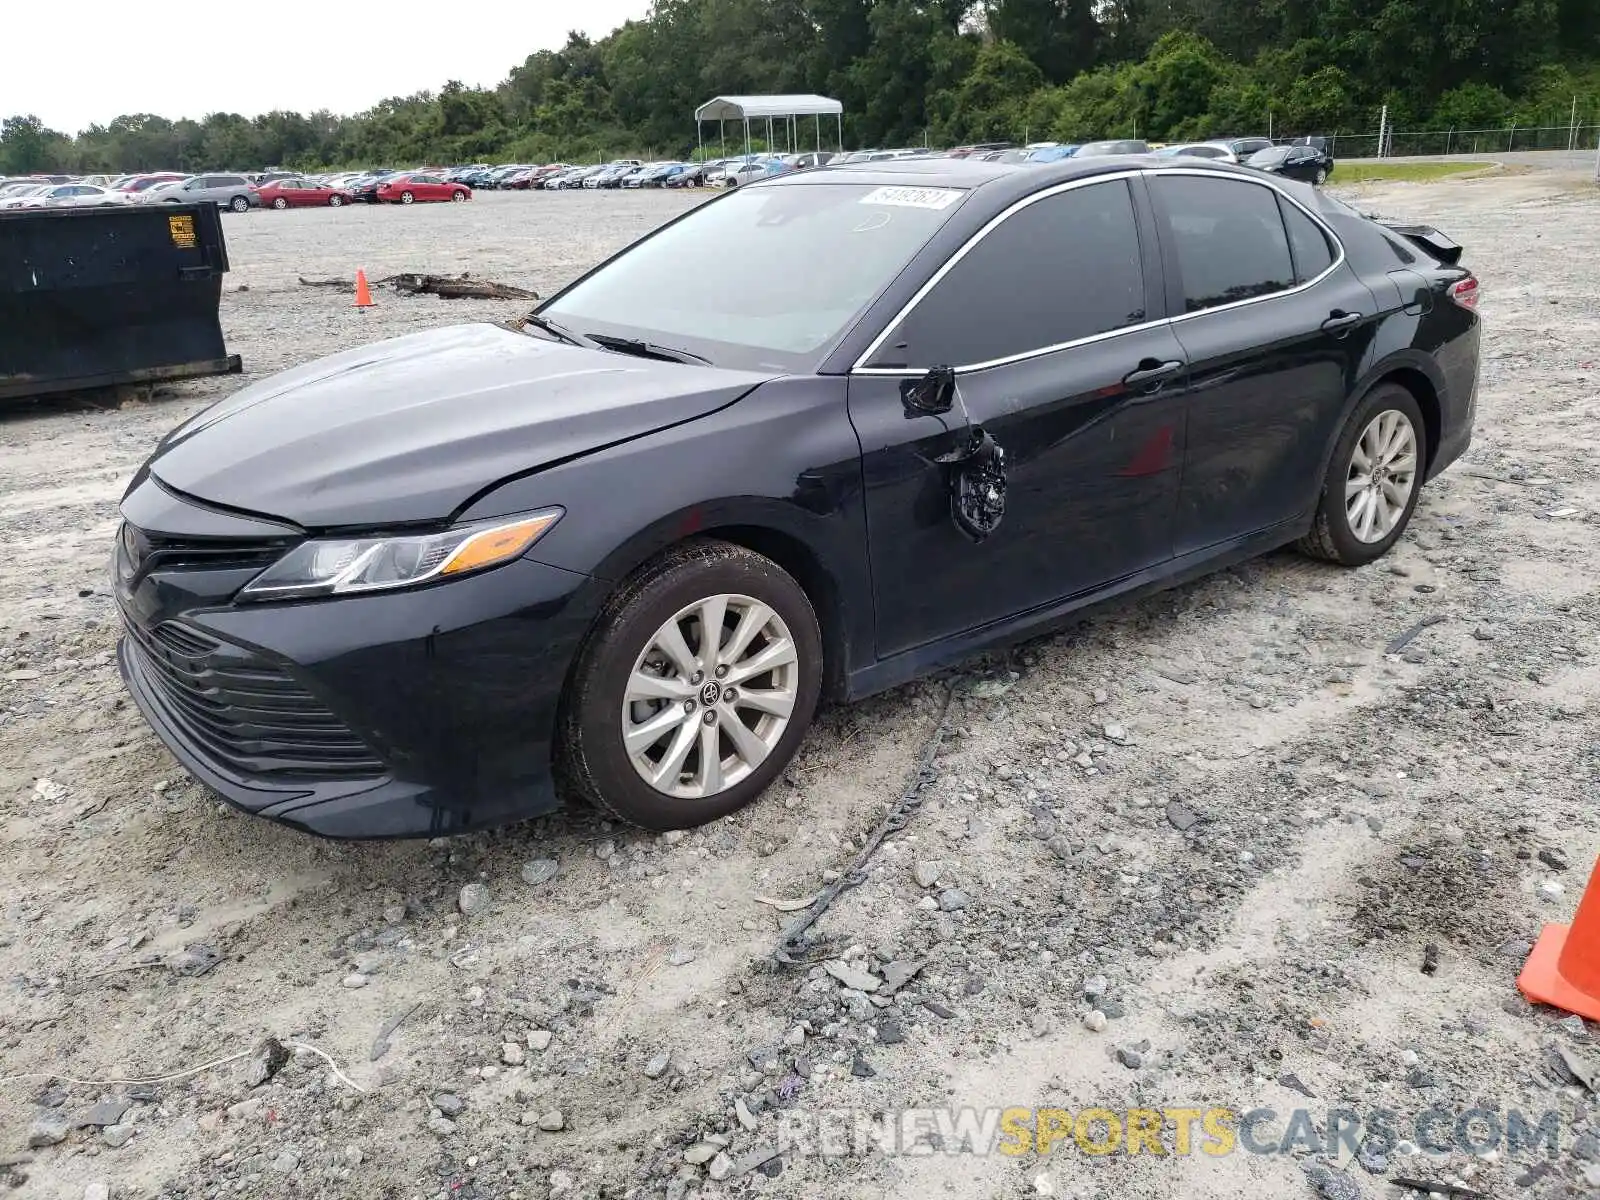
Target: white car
[1215, 151]
[18, 196]
[75, 195]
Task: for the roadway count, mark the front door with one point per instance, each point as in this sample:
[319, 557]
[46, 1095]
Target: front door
[1275, 335]
[1064, 359]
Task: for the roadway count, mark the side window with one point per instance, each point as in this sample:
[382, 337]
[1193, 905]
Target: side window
[1228, 237]
[1312, 254]
[1063, 268]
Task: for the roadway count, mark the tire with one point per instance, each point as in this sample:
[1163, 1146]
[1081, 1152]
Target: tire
[335, 201]
[280, 203]
[239, 204]
[407, 198]
[1322, 176]
[593, 759]
[458, 197]
[1333, 536]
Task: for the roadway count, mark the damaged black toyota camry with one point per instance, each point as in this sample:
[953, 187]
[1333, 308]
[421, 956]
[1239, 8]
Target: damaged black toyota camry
[620, 549]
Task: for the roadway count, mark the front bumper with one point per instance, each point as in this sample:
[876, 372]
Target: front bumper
[408, 714]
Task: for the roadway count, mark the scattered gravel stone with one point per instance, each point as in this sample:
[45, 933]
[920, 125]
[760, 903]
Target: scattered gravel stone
[1295, 1084]
[354, 980]
[742, 1113]
[98, 1190]
[1551, 890]
[861, 1068]
[553, 1121]
[1553, 859]
[539, 1039]
[657, 1066]
[116, 1136]
[927, 873]
[473, 899]
[952, 900]
[539, 871]
[701, 1153]
[512, 1054]
[1095, 986]
[1095, 1021]
[1372, 1159]
[1181, 817]
[441, 1126]
[286, 1163]
[449, 1104]
[1130, 1058]
[47, 1130]
[855, 978]
[107, 1112]
[721, 1167]
[890, 1033]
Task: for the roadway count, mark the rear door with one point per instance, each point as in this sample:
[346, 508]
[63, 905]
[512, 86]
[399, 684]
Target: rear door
[1275, 326]
[1053, 319]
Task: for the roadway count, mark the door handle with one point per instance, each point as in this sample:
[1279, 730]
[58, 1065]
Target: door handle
[1151, 373]
[1340, 321]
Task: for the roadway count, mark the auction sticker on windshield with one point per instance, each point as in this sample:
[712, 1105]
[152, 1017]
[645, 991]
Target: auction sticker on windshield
[913, 197]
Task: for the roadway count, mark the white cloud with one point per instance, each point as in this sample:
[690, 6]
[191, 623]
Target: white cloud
[82, 62]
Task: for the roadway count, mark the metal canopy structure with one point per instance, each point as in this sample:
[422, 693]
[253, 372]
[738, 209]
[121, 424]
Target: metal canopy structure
[786, 110]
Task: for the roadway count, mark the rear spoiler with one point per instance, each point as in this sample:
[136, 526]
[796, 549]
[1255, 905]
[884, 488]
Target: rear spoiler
[1445, 249]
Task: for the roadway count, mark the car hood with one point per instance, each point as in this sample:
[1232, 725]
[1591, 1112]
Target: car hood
[408, 430]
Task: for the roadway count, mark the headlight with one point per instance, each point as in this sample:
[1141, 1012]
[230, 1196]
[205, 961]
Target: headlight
[338, 566]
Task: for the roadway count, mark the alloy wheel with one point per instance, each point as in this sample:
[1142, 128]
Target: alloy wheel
[1381, 477]
[710, 696]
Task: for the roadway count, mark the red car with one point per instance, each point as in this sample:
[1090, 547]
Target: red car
[413, 189]
[297, 193]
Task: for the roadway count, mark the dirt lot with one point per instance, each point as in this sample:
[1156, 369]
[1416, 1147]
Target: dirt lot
[1191, 852]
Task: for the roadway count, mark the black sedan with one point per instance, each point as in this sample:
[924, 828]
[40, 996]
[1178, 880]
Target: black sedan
[630, 541]
[1309, 164]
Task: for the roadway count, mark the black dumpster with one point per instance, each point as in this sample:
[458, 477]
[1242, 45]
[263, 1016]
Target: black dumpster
[96, 296]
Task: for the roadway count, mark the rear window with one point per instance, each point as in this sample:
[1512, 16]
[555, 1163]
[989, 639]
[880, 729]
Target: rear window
[1229, 239]
[816, 255]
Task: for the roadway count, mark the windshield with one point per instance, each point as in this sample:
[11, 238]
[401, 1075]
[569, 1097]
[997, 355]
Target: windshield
[1268, 158]
[811, 256]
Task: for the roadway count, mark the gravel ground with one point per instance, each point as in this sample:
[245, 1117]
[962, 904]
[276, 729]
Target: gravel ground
[1217, 848]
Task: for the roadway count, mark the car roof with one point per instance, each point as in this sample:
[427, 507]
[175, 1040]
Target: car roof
[1006, 182]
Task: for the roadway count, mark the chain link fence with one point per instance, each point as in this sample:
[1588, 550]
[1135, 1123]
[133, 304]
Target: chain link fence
[1399, 143]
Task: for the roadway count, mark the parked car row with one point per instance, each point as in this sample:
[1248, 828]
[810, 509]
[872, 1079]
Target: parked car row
[1308, 159]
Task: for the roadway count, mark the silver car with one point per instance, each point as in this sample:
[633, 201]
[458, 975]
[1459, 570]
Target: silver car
[229, 191]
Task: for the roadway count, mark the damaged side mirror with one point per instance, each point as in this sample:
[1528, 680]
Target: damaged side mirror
[931, 395]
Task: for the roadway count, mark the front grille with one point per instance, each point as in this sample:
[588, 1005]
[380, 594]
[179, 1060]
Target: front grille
[140, 552]
[248, 715]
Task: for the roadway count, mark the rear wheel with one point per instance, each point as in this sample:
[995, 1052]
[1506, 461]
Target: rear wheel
[407, 198]
[335, 201]
[1373, 481]
[280, 203]
[1322, 176]
[458, 196]
[695, 690]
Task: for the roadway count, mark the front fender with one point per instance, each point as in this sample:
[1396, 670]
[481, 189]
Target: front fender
[780, 468]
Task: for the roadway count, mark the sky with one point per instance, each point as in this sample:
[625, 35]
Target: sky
[79, 62]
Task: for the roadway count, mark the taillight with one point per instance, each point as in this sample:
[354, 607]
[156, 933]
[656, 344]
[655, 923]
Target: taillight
[1465, 292]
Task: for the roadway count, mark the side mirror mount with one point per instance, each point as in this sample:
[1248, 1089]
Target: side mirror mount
[931, 395]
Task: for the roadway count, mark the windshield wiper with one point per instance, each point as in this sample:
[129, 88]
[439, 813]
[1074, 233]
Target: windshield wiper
[560, 332]
[646, 349]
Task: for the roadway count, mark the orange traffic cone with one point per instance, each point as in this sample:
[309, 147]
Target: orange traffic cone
[1564, 968]
[363, 292]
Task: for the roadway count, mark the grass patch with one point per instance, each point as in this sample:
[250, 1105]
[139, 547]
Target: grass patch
[1403, 172]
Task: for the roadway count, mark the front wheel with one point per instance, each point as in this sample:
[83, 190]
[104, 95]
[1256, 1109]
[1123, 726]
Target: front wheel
[1373, 481]
[695, 689]
[239, 204]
